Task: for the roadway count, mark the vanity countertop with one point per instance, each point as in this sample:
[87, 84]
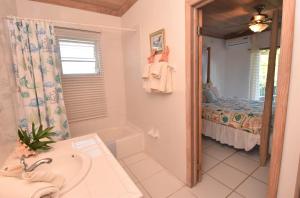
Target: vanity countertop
[106, 178]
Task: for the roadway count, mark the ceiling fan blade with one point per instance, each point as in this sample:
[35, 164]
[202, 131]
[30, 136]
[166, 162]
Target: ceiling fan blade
[238, 25]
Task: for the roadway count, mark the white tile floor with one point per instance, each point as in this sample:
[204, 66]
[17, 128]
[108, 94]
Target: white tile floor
[226, 173]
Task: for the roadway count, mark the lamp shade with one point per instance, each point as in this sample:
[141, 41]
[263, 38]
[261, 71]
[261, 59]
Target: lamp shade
[258, 27]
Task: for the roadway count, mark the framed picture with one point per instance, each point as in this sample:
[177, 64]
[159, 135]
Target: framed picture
[157, 41]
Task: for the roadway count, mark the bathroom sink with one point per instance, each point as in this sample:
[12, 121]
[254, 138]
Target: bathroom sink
[72, 166]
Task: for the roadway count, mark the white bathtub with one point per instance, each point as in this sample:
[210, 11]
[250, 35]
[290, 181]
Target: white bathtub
[123, 141]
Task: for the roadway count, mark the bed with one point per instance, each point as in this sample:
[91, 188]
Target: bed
[233, 121]
[240, 123]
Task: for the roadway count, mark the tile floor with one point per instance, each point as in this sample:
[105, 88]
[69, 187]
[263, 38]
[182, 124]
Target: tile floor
[226, 173]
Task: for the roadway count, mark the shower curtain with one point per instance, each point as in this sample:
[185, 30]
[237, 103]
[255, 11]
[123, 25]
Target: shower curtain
[40, 97]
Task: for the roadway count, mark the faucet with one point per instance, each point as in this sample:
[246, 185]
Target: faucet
[34, 165]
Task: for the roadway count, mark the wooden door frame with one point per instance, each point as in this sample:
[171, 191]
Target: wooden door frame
[287, 34]
[193, 90]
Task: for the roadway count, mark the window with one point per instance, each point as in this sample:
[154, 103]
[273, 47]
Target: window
[78, 56]
[82, 74]
[263, 70]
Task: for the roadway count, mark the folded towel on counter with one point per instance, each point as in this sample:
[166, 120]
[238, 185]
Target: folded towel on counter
[18, 188]
[11, 169]
[44, 176]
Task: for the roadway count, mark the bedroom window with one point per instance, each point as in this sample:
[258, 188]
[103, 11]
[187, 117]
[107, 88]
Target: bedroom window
[263, 69]
[82, 74]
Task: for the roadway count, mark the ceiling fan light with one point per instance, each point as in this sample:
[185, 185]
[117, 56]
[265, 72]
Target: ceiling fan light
[258, 27]
[259, 17]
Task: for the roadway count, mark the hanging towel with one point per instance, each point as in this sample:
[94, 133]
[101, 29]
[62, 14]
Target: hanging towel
[158, 76]
[146, 71]
[156, 70]
[17, 188]
[146, 78]
[164, 83]
[156, 84]
[169, 84]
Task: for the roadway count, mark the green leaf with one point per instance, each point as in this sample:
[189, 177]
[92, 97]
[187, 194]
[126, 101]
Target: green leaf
[26, 138]
[21, 137]
[44, 133]
[33, 128]
[49, 142]
[37, 145]
[32, 139]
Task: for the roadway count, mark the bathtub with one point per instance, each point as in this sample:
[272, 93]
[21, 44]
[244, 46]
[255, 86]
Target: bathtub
[123, 141]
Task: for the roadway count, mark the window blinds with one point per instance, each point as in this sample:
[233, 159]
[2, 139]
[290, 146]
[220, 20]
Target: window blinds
[84, 94]
[254, 75]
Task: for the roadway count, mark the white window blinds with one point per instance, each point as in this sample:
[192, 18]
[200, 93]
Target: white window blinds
[82, 74]
[254, 74]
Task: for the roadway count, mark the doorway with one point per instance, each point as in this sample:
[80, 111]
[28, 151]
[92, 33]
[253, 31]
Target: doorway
[194, 51]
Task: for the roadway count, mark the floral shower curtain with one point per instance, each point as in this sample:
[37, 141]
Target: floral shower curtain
[40, 98]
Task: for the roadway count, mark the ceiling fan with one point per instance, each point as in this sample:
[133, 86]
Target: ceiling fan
[259, 22]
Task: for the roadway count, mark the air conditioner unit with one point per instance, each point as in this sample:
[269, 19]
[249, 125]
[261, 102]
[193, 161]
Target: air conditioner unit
[245, 40]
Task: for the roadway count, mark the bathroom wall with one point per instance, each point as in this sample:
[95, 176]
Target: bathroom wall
[165, 113]
[291, 147]
[112, 58]
[8, 129]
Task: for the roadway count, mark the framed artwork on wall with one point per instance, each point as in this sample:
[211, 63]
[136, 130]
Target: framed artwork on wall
[157, 41]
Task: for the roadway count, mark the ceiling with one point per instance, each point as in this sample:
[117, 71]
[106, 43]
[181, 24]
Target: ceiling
[111, 7]
[229, 18]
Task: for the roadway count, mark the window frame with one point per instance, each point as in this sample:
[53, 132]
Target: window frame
[96, 51]
[277, 61]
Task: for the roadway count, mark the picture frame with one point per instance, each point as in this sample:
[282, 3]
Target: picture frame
[157, 41]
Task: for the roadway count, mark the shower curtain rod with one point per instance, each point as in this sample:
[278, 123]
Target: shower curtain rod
[59, 24]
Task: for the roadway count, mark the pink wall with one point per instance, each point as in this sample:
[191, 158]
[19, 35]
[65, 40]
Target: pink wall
[165, 113]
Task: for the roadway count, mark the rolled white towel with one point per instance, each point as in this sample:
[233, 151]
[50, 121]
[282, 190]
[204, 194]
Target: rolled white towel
[17, 188]
[44, 176]
[11, 169]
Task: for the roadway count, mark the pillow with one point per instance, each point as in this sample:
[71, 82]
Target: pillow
[215, 91]
[210, 96]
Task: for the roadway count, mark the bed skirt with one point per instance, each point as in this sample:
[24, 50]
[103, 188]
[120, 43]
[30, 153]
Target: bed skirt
[237, 138]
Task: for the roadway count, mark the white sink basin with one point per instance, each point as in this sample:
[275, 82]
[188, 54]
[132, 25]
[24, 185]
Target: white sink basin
[72, 166]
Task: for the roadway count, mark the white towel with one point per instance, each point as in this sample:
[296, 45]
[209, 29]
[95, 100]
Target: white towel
[146, 85]
[164, 83]
[11, 168]
[146, 77]
[44, 176]
[146, 71]
[160, 79]
[169, 83]
[156, 70]
[16, 188]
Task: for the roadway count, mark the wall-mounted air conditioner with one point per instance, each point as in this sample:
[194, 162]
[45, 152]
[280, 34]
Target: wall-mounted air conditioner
[245, 40]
